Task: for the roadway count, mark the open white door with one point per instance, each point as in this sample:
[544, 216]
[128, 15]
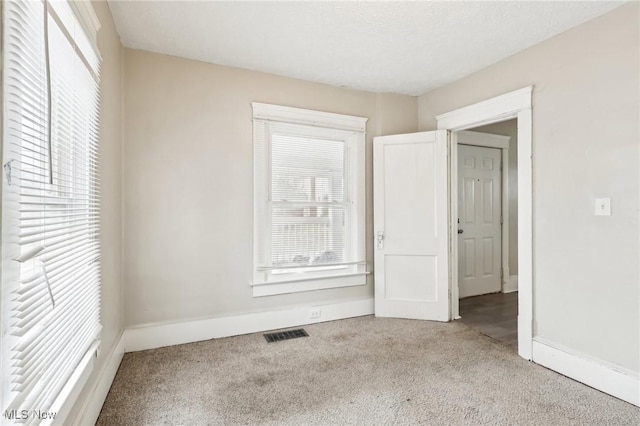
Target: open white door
[410, 187]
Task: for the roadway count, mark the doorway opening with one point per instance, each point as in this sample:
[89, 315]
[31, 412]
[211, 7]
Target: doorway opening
[513, 105]
[487, 230]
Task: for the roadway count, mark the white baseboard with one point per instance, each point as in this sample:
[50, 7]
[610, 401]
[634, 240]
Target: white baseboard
[606, 378]
[511, 285]
[167, 334]
[90, 410]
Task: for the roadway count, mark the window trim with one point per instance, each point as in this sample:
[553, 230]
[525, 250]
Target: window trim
[309, 117]
[262, 284]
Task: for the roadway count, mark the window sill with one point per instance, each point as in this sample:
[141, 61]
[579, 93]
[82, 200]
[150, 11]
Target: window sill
[298, 285]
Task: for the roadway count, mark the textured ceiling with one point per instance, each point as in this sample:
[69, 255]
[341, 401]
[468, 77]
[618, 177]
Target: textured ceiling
[401, 47]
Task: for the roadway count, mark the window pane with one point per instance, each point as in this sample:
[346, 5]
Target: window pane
[305, 169]
[312, 235]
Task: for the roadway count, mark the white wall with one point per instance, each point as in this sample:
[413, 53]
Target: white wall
[585, 145]
[509, 128]
[188, 183]
[110, 163]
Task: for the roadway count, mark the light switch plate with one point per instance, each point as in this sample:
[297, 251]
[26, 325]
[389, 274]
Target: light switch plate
[603, 207]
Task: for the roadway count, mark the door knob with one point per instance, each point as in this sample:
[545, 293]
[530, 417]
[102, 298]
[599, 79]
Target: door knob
[380, 240]
[460, 231]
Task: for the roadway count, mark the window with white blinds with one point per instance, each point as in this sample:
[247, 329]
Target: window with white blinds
[309, 196]
[50, 203]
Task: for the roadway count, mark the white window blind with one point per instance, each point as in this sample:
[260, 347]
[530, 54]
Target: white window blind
[50, 202]
[309, 200]
[308, 204]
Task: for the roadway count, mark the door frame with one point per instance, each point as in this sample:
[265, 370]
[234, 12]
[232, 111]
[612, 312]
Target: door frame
[516, 104]
[502, 143]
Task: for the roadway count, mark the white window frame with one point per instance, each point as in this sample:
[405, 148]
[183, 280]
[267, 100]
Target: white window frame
[266, 283]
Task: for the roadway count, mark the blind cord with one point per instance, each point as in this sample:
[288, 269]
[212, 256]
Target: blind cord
[46, 280]
[47, 64]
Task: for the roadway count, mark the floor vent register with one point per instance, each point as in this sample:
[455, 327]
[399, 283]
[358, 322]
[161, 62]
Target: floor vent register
[285, 335]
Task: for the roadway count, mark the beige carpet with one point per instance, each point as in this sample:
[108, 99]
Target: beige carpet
[361, 371]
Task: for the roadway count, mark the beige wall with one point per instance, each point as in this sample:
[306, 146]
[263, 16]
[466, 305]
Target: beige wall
[188, 183]
[396, 114]
[509, 128]
[110, 163]
[585, 146]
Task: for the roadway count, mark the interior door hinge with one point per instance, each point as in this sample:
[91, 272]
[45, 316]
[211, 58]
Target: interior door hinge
[501, 220]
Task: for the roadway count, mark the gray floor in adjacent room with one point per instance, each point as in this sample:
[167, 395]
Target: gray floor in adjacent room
[494, 315]
[360, 371]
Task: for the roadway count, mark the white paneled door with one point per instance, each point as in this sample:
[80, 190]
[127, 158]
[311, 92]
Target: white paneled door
[479, 220]
[410, 226]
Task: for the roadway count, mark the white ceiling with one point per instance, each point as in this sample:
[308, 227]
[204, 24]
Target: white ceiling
[401, 47]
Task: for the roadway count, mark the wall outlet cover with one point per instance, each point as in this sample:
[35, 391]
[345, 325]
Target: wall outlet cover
[314, 313]
[603, 207]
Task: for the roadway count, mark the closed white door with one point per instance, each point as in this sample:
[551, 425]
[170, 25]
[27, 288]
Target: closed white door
[410, 226]
[479, 222]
